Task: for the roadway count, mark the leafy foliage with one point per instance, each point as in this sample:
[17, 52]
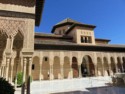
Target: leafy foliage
[6, 87]
[20, 78]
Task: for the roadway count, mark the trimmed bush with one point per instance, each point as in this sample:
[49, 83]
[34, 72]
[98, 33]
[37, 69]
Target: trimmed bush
[6, 87]
[20, 78]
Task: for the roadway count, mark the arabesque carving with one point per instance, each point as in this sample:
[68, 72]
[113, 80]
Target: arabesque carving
[11, 26]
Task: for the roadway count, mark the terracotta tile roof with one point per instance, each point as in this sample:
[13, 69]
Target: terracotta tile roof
[102, 39]
[68, 20]
[54, 42]
[72, 23]
[44, 35]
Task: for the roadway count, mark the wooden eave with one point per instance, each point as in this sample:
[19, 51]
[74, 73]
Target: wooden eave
[38, 12]
[97, 48]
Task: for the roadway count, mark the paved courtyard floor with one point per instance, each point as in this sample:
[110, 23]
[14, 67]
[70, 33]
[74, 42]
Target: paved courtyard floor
[97, 90]
[90, 85]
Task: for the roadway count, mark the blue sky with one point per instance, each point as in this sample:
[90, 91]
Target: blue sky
[107, 15]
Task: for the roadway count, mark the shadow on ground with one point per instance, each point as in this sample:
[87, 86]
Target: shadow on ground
[99, 90]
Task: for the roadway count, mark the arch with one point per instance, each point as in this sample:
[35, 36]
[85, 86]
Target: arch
[123, 60]
[106, 67]
[45, 68]
[87, 66]
[75, 67]
[66, 67]
[3, 42]
[56, 68]
[18, 41]
[113, 66]
[99, 66]
[36, 68]
[119, 65]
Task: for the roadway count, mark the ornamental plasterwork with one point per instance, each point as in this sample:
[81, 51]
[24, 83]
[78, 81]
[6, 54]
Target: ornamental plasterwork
[2, 40]
[11, 26]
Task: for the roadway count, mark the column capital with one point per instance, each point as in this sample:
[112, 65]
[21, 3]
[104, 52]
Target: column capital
[25, 61]
[30, 58]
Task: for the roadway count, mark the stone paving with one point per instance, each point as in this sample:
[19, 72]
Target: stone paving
[91, 85]
[97, 90]
[55, 86]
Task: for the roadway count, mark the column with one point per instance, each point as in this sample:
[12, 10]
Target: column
[116, 62]
[80, 74]
[121, 64]
[62, 72]
[96, 71]
[30, 66]
[110, 70]
[40, 73]
[7, 68]
[24, 68]
[11, 77]
[51, 72]
[12, 65]
[2, 69]
[71, 70]
[17, 62]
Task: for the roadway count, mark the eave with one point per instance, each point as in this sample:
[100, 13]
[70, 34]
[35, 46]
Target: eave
[96, 48]
[38, 11]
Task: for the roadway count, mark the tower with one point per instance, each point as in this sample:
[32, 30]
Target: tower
[17, 21]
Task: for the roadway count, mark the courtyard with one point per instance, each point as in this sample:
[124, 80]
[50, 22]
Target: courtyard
[89, 85]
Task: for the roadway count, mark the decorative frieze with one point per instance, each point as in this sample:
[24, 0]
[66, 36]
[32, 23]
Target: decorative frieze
[12, 26]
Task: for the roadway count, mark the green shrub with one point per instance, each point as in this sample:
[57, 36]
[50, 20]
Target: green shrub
[20, 78]
[6, 87]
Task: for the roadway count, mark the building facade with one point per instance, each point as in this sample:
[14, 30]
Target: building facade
[70, 51]
[17, 21]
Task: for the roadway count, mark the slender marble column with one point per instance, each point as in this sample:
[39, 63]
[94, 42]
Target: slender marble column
[2, 69]
[30, 66]
[80, 74]
[62, 72]
[11, 77]
[24, 69]
[51, 72]
[12, 65]
[7, 67]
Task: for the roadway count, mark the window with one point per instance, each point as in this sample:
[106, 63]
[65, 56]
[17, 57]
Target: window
[33, 67]
[45, 59]
[89, 40]
[86, 39]
[82, 39]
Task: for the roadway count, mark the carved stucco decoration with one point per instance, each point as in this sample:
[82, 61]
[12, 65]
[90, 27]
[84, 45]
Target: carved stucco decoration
[2, 40]
[11, 26]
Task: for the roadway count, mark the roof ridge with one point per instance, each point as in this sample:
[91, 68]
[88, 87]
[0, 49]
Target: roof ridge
[68, 20]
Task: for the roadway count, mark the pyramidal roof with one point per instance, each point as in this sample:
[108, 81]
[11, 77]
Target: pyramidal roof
[68, 20]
